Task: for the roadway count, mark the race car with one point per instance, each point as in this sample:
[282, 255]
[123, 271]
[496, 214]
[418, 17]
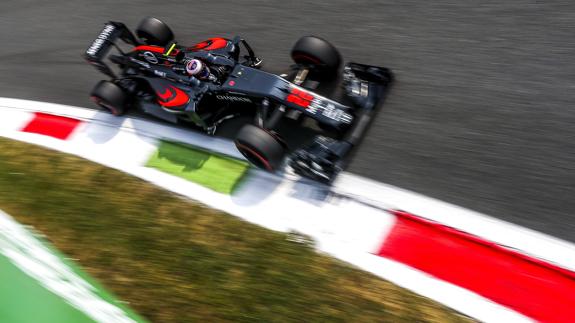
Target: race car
[218, 79]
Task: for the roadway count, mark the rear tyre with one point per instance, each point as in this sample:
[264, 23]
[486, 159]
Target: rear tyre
[153, 31]
[317, 53]
[260, 147]
[110, 97]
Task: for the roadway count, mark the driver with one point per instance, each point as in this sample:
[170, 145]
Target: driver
[200, 70]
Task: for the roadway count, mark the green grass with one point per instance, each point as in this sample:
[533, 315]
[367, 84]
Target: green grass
[219, 173]
[174, 260]
[24, 300]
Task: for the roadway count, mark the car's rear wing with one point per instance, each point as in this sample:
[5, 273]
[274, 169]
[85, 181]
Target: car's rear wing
[100, 47]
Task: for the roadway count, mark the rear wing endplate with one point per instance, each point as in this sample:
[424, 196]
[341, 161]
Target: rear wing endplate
[100, 47]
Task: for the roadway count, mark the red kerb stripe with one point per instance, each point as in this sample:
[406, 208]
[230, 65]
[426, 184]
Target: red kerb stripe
[51, 125]
[530, 286]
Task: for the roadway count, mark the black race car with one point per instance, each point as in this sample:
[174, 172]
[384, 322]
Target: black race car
[219, 79]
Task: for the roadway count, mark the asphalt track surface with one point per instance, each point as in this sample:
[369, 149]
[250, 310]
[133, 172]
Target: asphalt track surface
[481, 114]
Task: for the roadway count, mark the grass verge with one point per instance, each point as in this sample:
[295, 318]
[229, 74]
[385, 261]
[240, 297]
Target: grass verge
[176, 261]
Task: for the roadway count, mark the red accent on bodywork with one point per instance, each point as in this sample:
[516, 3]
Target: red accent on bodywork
[201, 45]
[51, 125]
[166, 95]
[210, 44]
[173, 97]
[302, 94]
[298, 101]
[528, 285]
[154, 49]
[299, 97]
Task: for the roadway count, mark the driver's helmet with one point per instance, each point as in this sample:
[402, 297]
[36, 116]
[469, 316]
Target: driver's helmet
[197, 68]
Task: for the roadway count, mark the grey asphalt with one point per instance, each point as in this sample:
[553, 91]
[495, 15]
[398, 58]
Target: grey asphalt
[481, 114]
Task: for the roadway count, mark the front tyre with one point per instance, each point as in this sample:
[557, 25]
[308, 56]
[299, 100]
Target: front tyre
[153, 31]
[110, 97]
[317, 53]
[259, 147]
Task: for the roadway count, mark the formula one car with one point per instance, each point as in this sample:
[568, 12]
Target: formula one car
[219, 79]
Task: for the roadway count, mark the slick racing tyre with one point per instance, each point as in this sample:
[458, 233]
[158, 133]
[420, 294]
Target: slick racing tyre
[316, 52]
[110, 97]
[153, 31]
[261, 148]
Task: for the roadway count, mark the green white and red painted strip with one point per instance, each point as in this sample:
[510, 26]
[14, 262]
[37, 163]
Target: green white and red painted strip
[481, 266]
[39, 285]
